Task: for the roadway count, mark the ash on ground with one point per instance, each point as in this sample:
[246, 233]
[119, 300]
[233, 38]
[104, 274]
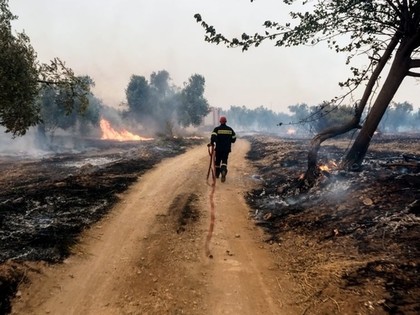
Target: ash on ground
[46, 201]
[353, 239]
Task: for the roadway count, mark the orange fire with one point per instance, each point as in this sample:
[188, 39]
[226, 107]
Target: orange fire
[324, 168]
[329, 167]
[109, 133]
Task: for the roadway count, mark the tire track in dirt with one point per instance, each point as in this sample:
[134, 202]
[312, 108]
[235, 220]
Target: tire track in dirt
[147, 256]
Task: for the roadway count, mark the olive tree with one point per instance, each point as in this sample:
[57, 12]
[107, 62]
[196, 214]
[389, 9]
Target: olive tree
[193, 106]
[54, 115]
[22, 77]
[138, 97]
[387, 32]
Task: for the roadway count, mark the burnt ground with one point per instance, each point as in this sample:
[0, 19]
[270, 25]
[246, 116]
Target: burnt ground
[46, 202]
[350, 244]
[355, 236]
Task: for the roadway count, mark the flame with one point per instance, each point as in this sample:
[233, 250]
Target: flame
[328, 167]
[291, 131]
[324, 168]
[109, 133]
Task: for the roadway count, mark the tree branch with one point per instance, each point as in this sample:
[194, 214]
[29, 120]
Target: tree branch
[397, 10]
[50, 82]
[413, 74]
[415, 63]
[354, 122]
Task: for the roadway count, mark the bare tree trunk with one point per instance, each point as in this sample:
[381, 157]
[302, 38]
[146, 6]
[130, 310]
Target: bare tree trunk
[312, 171]
[399, 70]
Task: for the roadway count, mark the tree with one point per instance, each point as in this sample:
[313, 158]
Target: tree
[22, 76]
[193, 106]
[160, 82]
[264, 118]
[258, 119]
[17, 69]
[239, 116]
[91, 116]
[138, 97]
[402, 113]
[163, 98]
[161, 104]
[54, 115]
[386, 31]
[327, 114]
[300, 114]
[151, 103]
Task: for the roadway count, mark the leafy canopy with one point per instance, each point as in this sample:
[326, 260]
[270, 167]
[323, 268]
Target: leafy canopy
[22, 77]
[159, 102]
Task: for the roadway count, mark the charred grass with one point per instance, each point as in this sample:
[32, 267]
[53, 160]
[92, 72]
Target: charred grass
[46, 202]
[352, 240]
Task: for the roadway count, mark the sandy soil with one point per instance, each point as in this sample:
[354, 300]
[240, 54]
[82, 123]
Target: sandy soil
[147, 256]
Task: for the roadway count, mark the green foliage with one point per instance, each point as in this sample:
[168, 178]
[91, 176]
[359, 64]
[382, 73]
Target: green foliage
[320, 117]
[159, 81]
[240, 117]
[161, 104]
[138, 97]
[164, 99]
[327, 115]
[18, 78]
[152, 102]
[301, 112]
[74, 90]
[258, 119]
[193, 106]
[307, 120]
[400, 117]
[54, 115]
[22, 77]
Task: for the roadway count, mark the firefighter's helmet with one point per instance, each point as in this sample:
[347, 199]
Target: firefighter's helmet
[223, 120]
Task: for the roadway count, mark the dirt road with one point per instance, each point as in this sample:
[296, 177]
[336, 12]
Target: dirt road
[147, 256]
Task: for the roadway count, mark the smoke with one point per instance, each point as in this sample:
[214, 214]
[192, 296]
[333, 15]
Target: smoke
[113, 116]
[119, 120]
[27, 145]
[44, 139]
[40, 141]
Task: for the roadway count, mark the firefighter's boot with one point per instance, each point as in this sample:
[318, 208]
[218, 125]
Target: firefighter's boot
[217, 171]
[223, 172]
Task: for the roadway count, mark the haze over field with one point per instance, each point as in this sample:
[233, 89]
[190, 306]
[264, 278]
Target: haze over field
[110, 40]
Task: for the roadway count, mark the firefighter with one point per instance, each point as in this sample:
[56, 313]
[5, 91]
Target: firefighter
[222, 136]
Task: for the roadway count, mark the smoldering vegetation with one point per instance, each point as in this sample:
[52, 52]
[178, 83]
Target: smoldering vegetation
[357, 232]
[46, 201]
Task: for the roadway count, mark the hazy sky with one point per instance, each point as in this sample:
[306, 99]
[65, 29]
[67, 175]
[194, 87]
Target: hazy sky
[110, 40]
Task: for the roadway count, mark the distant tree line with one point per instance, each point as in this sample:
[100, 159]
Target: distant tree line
[308, 120]
[258, 119]
[400, 117]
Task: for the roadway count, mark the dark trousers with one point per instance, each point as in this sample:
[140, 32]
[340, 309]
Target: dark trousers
[221, 161]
